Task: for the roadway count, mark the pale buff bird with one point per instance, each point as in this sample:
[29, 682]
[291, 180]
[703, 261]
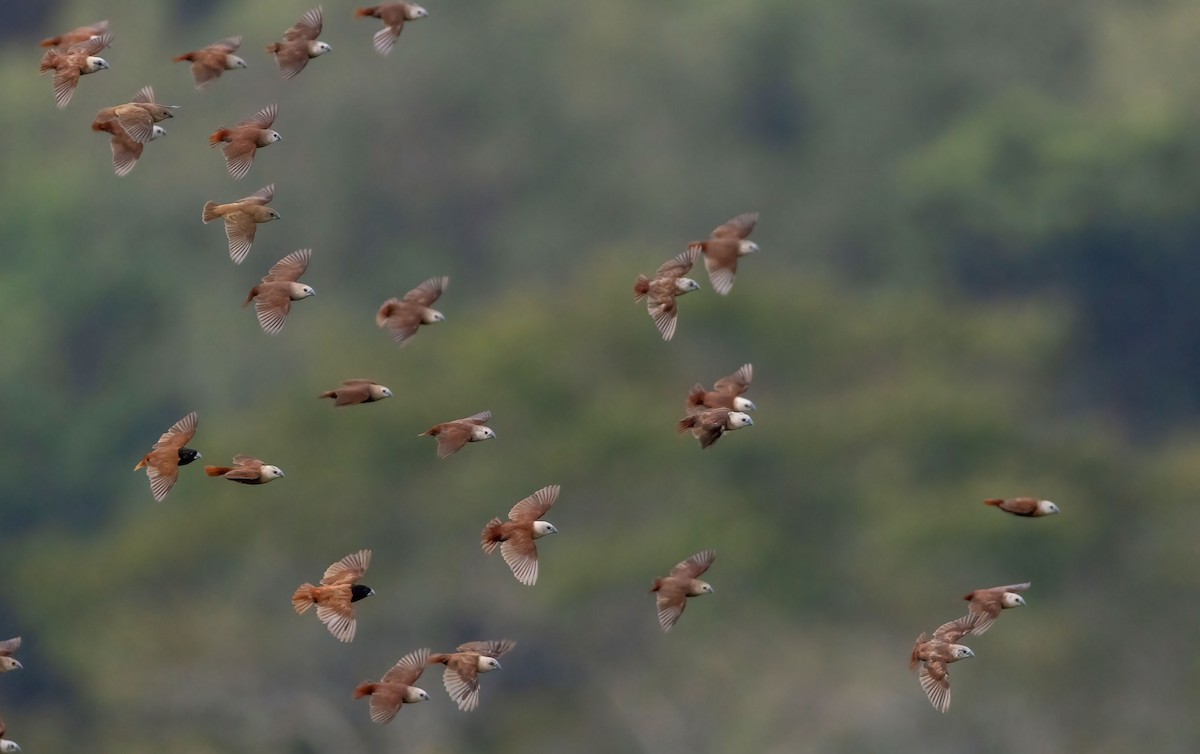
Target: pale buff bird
[1024, 506]
[125, 151]
[933, 655]
[244, 140]
[661, 290]
[246, 470]
[7, 661]
[357, 391]
[707, 425]
[336, 595]
[453, 435]
[75, 36]
[726, 393]
[396, 687]
[6, 745]
[68, 65]
[300, 43]
[273, 297]
[169, 453]
[208, 63]
[723, 248]
[516, 536]
[402, 317]
[986, 604]
[394, 16]
[242, 219]
[461, 677]
[683, 582]
[138, 116]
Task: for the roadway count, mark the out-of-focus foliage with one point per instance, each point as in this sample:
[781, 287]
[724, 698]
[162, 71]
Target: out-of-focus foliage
[976, 278]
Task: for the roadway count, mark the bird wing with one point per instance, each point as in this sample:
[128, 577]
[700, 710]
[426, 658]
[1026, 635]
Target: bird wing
[125, 151]
[483, 417]
[290, 268]
[737, 227]
[240, 230]
[261, 119]
[721, 261]
[671, 602]
[92, 46]
[461, 679]
[144, 95]
[936, 681]
[180, 433]
[493, 648]
[65, 79]
[736, 383]
[408, 669]
[307, 28]
[292, 58]
[520, 552]
[661, 306]
[535, 506]
[246, 461]
[263, 196]
[358, 381]
[695, 565]
[271, 306]
[239, 156]
[679, 265]
[451, 438]
[428, 292]
[348, 570]
[337, 612]
[227, 45]
[952, 631]
[8, 646]
[136, 121]
[401, 319]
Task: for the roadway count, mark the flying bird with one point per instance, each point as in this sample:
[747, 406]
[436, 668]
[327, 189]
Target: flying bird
[68, 65]
[75, 36]
[721, 251]
[516, 536]
[138, 116]
[7, 661]
[452, 436]
[5, 744]
[246, 470]
[357, 391]
[726, 393]
[683, 582]
[403, 316]
[208, 63]
[1023, 506]
[461, 677]
[396, 687]
[707, 425]
[300, 43]
[125, 151]
[933, 655]
[273, 297]
[660, 292]
[244, 140]
[242, 219]
[336, 595]
[169, 453]
[986, 604]
[393, 16]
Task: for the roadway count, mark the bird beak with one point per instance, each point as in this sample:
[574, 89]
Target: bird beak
[17, 665]
[499, 666]
[371, 593]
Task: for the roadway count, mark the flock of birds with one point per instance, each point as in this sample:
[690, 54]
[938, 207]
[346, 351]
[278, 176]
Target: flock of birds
[710, 413]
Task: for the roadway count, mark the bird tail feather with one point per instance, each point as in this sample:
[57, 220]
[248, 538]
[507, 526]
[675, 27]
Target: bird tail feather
[218, 136]
[641, 286]
[217, 470]
[304, 598]
[993, 501]
[366, 688]
[210, 212]
[185, 56]
[491, 535]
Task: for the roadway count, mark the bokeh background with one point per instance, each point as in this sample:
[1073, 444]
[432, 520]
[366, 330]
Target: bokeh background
[978, 278]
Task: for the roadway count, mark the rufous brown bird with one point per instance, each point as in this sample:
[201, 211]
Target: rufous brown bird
[7, 661]
[461, 677]
[933, 655]
[242, 219]
[273, 297]
[169, 453]
[138, 116]
[246, 470]
[723, 248]
[726, 393]
[5, 744]
[707, 425]
[403, 316]
[357, 391]
[393, 15]
[208, 63]
[75, 36]
[661, 290]
[300, 43]
[683, 582]
[68, 65]
[396, 687]
[453, 435]
[244, 140]
[1023, 506]
[336, 595]
[986, 604]
[125, 151]
[516, 536]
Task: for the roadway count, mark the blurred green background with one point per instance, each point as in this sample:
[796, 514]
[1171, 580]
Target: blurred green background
[977, 278]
